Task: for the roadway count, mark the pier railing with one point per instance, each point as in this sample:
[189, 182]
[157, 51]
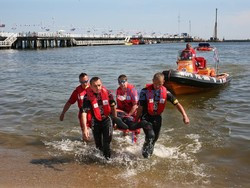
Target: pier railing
[66, 35]
[97, 42]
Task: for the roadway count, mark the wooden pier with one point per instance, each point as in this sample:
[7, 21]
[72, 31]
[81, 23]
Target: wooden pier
[53, 40]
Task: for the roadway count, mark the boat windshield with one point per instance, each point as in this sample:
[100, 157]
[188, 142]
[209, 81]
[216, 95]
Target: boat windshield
[204, 45]
[185, 55]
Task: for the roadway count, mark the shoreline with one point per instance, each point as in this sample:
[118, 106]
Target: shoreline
[26, 169]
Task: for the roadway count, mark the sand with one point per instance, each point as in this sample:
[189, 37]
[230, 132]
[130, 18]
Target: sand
[24, 169]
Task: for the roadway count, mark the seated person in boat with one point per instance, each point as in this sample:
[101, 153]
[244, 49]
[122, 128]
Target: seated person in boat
[190, 49]
[186, 55]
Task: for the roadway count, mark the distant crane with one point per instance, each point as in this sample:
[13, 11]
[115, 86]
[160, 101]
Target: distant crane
[215, 38]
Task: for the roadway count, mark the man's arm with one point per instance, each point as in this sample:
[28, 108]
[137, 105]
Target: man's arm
[85, 131]
[65, 109]
[182, 111]
[133, 109]
[139, 113]
[113, 111]
[72, 100]
[134, 99]
[142, 102]
[171, 98]
[112, 104]
[86, 106]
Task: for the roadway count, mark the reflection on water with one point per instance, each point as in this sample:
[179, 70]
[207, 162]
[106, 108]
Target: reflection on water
[34, 86]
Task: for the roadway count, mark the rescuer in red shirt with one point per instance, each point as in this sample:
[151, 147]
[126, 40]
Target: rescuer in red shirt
[77, 95]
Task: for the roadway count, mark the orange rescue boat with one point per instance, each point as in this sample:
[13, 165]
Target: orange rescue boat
[193, 75]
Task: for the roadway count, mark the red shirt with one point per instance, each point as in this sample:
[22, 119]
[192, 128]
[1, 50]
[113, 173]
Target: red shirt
[126, 99]
[77, 95]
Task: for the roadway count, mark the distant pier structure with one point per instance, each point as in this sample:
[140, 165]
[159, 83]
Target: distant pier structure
[52, 40]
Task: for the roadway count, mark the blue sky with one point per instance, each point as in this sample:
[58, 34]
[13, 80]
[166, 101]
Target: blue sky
[147, 16]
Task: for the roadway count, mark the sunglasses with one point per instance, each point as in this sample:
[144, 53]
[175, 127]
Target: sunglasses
[84, 82]
[122, 81]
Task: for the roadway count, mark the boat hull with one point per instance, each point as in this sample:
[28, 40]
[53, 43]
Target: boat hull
[180, 82]
[204, 49]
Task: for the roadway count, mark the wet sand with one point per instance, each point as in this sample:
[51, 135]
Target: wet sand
[25, 162]
[22, 169]
[27, 169]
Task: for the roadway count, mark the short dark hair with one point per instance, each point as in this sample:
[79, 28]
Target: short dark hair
[158, 75]
[94, 79]
[122, 76]
[82, 75]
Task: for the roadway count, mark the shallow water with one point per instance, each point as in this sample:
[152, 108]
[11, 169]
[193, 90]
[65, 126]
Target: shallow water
[213, 151]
